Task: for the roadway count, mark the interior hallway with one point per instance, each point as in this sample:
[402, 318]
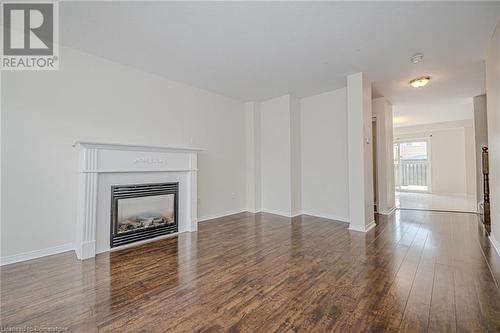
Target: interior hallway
[430, 201]
[416, 271]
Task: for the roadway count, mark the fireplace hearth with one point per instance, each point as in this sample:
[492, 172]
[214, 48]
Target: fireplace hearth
[143, 211]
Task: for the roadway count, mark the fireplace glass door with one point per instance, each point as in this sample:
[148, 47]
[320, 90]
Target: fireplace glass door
[145, 212]
[142, 211]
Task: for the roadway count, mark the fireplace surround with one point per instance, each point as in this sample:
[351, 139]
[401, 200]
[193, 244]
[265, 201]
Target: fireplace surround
[104, 168]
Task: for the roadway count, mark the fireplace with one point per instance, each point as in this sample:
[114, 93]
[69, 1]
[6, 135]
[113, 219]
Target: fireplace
[143, 211]
[102, 166]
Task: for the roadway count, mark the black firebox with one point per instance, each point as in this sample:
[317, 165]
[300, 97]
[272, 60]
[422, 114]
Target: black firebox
[143, 211]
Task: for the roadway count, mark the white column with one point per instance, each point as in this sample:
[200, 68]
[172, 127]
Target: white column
[192, 198]
[87, 201]
[253, 158]
[382, 111]
[295, 157]
[359, 137]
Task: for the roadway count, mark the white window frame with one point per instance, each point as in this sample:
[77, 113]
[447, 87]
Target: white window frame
[428, 141]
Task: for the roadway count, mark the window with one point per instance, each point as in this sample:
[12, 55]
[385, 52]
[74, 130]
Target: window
[411, 165]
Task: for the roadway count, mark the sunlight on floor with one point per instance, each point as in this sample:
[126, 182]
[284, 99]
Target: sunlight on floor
[430, 201]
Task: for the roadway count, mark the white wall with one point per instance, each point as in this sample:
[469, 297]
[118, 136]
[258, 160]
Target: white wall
[470, 161]
[448, 161]
[452, 155]
[324, 155]
[382, 111]
[303, 152]
[276, 155]
[493, 106]
[93, 99]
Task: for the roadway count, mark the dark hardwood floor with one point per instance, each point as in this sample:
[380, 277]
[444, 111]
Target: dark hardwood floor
[417, 271]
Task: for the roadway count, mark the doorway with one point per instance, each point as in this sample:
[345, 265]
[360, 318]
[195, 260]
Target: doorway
[432, 169]
[412, 165]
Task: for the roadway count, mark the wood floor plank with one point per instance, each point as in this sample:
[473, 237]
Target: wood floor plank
[442, 311]
[416, 315]
[415, 271]
[468, 313]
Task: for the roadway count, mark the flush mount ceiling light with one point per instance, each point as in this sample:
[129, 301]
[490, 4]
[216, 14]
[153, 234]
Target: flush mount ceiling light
[420, 81]
[416, 58]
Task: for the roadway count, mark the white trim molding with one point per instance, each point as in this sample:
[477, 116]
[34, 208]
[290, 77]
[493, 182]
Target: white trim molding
[277, 212]
[129, 147]
[36, 254]
[388, 212]
[219, 215]
[366, 228]
[495, 243]
[299, 213]
[326, 216]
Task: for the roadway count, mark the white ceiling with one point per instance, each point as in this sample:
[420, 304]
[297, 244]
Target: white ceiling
[259, 50]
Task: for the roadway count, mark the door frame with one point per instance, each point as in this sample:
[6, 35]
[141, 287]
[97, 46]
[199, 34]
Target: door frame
[428, 141]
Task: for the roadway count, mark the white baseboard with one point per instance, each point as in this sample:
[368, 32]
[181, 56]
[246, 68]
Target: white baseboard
[280, 213]
[326, 216]
[495, 243]
[36, 254]
[219, 215]
[237, 211]
[275, 212]
[366, 228]
[388, 212]
[370, 226]
[85, 250]
[298, 213]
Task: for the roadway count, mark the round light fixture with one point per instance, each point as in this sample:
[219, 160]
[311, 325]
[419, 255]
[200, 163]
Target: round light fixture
[416, 58]
[420, 81]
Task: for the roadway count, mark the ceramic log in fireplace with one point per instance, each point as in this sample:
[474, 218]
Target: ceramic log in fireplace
[143, 211]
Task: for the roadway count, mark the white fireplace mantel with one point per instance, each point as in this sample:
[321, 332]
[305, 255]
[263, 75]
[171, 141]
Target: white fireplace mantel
[101, 163]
